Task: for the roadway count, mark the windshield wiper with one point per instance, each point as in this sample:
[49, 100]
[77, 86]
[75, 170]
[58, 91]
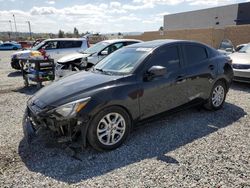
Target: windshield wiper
[100, 70]
[103, 71]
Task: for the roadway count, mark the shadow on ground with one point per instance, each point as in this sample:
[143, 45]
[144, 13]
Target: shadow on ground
[154, 140]
[15, 74]
[240, 86]
[30, 90]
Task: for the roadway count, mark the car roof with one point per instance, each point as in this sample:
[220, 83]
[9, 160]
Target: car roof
[121, 40]
[66, 39]
[158, 43]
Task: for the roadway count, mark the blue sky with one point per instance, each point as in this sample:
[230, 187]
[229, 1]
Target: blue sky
[96, 15]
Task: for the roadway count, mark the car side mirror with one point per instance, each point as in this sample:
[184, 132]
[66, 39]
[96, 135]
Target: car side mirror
[104, 53]
[155, 71]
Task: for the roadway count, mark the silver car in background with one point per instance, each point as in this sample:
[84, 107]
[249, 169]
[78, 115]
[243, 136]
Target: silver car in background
[85, 59]
[241, 64]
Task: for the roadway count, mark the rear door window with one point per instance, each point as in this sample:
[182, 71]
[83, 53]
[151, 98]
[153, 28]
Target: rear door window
[195, 54]
[70, 44]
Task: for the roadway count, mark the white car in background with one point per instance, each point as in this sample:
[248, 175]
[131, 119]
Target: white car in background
[89, 57]
[241, 64]
[55, 48]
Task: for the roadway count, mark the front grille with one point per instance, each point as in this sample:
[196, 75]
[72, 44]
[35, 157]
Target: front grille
[241, 66]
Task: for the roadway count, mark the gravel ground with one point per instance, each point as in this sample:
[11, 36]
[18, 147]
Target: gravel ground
[188, 149]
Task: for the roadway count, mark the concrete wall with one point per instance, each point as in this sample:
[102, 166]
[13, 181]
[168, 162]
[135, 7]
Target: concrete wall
[211, 36]
[218, 17]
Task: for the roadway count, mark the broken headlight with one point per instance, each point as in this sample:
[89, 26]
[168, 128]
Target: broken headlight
[70, 110]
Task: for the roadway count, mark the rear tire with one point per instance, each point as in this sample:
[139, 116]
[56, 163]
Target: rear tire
[109, 128]
[217, 96]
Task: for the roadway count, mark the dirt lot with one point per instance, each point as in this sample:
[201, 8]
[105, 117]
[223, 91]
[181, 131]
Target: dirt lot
[189, 149]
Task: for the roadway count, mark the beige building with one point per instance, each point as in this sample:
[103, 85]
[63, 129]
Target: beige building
[218, 17]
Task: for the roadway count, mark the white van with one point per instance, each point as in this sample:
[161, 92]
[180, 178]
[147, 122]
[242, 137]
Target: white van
[55, 48]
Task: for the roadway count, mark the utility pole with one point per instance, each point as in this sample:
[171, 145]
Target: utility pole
[15, 24]
[10, 26]
[29, 28]
[11, 31]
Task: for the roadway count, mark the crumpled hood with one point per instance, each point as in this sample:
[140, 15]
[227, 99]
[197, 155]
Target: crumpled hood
[72, 57]
[70, 86]
[240, 58]
[21, 54]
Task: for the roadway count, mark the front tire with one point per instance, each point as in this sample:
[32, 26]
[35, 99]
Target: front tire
[109, 128]
[217, 96]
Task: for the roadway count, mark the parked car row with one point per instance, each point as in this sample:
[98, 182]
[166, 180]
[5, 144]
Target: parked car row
[101, 105]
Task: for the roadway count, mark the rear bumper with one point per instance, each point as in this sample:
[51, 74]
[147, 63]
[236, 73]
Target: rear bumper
[242, 75]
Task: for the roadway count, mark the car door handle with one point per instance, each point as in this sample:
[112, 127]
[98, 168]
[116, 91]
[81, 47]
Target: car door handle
[211, 67]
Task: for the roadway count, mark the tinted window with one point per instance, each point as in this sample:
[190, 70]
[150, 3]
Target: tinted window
[50, 45]
[167, 57]
[70, 44]
[195, 54]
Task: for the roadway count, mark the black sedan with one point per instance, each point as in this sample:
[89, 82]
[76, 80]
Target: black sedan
[137, 82]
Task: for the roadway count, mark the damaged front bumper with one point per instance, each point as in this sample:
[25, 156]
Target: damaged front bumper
[63, 131]
[28, 129]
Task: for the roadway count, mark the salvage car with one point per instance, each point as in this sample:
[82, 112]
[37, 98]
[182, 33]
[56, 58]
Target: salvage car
[241, 64]
[89, 57]
[137, 82]
[55, 48]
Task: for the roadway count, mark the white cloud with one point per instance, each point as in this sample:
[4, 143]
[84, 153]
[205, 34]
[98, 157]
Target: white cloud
[114, 16]
[50, 2]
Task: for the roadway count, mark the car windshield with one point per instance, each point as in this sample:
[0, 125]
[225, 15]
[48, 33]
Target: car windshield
[245, 49]
[96, 48]
[122, 61]
[37, 47]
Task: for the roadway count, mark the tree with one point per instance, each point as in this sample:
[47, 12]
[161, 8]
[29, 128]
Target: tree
[119, 34]
[60, 34]
[76, 32]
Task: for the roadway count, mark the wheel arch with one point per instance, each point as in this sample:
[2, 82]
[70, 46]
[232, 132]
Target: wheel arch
[227, 84]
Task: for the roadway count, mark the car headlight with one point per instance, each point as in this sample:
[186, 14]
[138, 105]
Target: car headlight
[70, 110]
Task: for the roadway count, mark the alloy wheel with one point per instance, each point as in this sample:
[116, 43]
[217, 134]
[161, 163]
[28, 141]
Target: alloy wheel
[218, 96]
[111, 129]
